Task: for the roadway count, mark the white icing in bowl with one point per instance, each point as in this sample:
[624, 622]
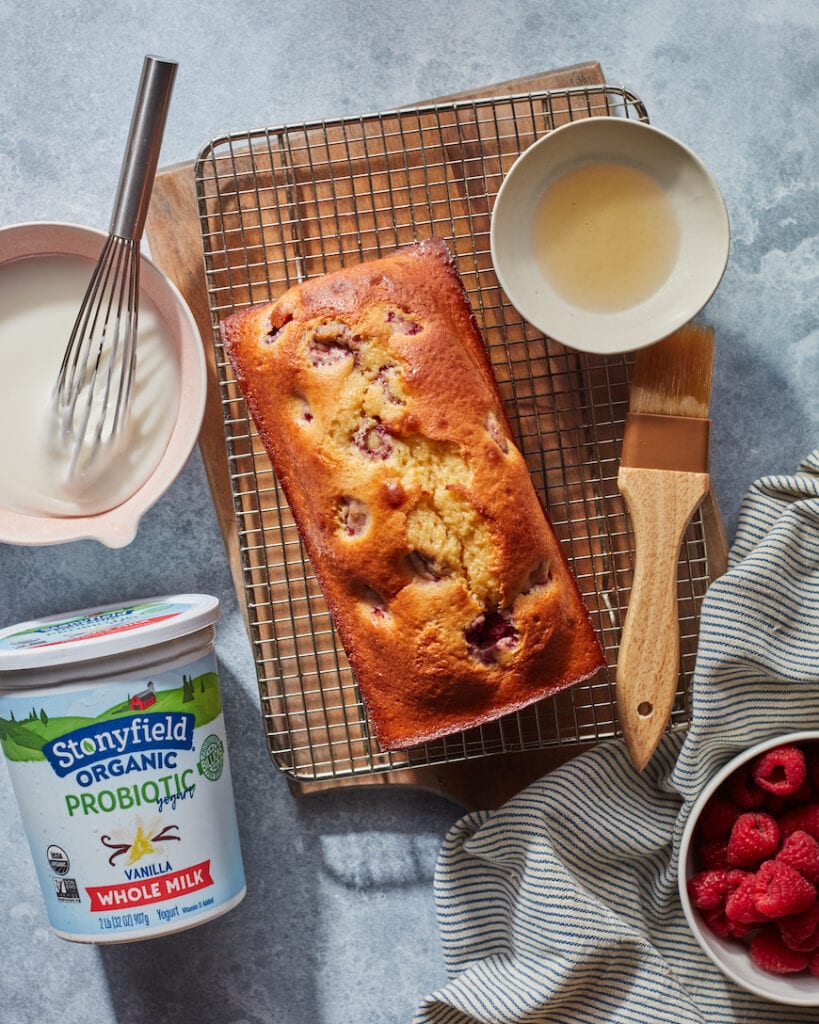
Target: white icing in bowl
[36, 507]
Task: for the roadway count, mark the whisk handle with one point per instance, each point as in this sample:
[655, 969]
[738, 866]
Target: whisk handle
[142, 151]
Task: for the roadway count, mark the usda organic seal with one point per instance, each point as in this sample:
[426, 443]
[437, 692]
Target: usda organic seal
[212, 758]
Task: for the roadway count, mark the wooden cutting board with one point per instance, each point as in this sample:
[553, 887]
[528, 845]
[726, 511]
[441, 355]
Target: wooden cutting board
[173, 232]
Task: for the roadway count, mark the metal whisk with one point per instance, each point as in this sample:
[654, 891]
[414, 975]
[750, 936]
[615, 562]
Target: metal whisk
[95, 381]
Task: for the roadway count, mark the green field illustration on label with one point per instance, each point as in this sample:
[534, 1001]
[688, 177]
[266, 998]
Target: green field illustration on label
[23, 739]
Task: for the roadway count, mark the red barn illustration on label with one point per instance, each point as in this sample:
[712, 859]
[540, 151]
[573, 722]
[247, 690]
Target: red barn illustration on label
[141, 701]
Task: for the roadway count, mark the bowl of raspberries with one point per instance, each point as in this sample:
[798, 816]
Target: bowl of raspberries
[749, 869]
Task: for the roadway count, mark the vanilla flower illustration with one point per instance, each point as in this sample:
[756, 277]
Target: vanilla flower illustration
[141, 840]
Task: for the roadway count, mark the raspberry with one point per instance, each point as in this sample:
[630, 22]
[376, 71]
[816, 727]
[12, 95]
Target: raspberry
[712, 854]
[800, 932]
[800, 819]
[781, 770]
[779, 890]
[743, 790]
[373, 439]
[720, 924]
[770, 953]
[740, 906]
[813, 965]
[801, 851]
[401, 323]
[717, 818]
[776, 804]
[490, 633]
[708, 889]
[754, 838]
[802, 796]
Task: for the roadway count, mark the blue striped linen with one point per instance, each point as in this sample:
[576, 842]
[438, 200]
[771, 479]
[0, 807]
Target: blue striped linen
[562, 905]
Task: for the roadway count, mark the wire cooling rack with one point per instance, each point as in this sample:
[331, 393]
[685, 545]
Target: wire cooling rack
[283, 204]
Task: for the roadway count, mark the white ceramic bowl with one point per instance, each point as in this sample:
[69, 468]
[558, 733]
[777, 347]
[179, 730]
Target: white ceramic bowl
[704, 234]
[732, 958]
[117, 526]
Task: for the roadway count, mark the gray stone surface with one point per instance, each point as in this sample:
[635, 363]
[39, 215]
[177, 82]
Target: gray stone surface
[339, 924]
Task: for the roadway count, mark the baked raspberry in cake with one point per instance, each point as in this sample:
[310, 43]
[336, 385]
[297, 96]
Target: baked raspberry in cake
[373, 394]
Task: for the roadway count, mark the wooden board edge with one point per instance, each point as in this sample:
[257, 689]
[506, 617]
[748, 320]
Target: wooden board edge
[484, 783]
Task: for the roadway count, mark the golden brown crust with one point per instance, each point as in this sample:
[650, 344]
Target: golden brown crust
[374, 397]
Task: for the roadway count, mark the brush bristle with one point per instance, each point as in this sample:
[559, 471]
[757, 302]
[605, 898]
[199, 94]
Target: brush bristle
[673, 376]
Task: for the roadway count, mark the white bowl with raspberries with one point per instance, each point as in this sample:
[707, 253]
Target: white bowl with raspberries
[749, 869]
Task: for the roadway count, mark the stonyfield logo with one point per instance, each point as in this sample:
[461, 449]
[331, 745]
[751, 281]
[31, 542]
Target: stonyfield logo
[124, 738]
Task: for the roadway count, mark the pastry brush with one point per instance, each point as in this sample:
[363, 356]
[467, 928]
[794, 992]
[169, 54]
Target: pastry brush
[663, 478]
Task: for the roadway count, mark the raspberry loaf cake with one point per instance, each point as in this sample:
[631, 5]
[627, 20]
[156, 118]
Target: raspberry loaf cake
[374, 397]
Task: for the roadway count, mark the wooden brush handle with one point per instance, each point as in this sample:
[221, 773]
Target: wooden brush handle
[661, 504]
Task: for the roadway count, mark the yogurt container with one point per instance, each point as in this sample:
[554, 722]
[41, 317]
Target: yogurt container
[112, 728]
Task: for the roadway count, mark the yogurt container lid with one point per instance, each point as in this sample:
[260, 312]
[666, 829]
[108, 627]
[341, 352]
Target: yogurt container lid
[104, 631]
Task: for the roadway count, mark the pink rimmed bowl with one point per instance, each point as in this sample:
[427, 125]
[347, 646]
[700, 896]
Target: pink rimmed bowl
[117, 526]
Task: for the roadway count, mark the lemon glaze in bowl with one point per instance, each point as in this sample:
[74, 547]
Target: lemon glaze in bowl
[115, 526]
[669, 168]
[731, 957]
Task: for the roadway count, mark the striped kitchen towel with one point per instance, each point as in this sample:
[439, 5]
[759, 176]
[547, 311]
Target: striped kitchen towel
[562, 905]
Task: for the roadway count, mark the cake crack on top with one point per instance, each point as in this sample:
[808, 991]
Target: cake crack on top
[375, 399]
